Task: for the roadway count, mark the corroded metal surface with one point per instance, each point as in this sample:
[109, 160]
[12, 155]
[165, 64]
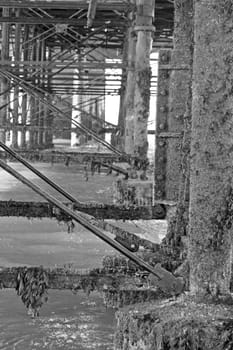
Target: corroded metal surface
[98, 210]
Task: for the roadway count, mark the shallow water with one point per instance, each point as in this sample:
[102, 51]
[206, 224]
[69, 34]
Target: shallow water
[66, 321]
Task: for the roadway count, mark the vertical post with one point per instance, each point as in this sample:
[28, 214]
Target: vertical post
[4, 98]
[41, 105]
[121, 114]
[17, 39]
[101, 107]
[81, 115]
[180, 80]
[83, 98]
[161, 139]
[211, 182]
[174, 111]
[25, 96]
[48, 122]
[38, 102]
[32, 134]
[144, 29]
[32, 141]
[129, 94]
[91, 12]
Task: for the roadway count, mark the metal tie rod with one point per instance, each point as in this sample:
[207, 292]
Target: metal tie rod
[164, 279]
[38, 173]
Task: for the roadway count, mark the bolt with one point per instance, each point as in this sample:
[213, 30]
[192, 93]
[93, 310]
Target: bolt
[159, 194]
[160, 177]
[161, 159]
[162, 109]
[161, 143]
[163, 58]
[164, 75]
[163, 92]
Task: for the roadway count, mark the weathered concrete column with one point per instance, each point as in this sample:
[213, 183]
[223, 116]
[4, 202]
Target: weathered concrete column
[173, 135]
[81, 99]
[100, 113]
[48, 122]
[179, 93]
[39, 105]
[129, 93]
[32, 136]
[122, 111]
[4, 98]
[25, 96]
[36, 121]
[17, 51]
[144, 29]
[33, 111]
[211, 181]
[41, 116]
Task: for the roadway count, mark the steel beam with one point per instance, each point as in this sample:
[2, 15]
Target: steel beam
[67, 4]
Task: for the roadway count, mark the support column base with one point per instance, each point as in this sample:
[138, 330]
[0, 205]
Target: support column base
[181, 324]
[133, 192]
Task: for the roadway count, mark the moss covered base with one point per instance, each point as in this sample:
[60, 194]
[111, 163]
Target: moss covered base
[121, 298]
[133, 192]
[181, 324]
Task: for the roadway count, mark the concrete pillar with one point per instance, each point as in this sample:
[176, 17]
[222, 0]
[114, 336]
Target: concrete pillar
[41, 116]
[162, 134]
[122, 110]
[17, 56]
[179, 94]
[48, 121]
[211, 183]
[32, 101]
[129, 94]
[25, 96]
[144, 29]
[4, 98]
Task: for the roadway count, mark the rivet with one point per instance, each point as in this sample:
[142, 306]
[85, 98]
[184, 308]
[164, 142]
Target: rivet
[162, 109]
[163, 92]
[161, 159]
[159, 193]
[163, 58]
[164, 75]
[161, 143]
[161, 126]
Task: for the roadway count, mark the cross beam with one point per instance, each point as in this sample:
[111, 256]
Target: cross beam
[61, 278]
[67, 4]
